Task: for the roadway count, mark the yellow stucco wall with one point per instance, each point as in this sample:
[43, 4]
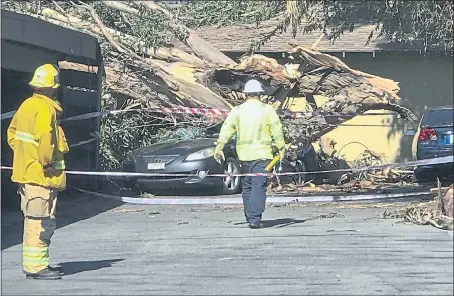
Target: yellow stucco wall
[378, 138]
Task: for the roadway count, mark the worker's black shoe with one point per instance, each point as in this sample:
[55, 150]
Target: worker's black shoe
[56, 269]
[256, 225]
[45, 274]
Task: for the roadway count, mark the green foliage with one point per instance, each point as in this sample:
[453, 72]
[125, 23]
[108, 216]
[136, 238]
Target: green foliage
[197, 13]
[117, 139]
[149, 27]
[424, 24]
[122, 133]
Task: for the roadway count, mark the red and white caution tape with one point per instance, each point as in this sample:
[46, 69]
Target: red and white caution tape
[201, 111]
[431, 161]
[181, 110]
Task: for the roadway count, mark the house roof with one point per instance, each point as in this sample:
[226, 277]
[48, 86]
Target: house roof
[238, 38]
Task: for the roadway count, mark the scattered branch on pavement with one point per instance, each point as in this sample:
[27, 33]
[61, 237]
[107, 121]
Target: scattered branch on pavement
[437, 212]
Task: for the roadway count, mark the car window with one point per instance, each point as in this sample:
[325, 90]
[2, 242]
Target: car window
[435, 117]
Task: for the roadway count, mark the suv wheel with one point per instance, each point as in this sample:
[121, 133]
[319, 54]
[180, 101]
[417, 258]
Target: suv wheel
[231, 185]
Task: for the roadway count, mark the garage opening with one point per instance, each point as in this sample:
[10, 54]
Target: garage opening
[14, 91]
[23, 50]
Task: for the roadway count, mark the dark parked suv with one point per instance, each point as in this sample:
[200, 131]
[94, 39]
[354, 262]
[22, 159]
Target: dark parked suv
[432, 139]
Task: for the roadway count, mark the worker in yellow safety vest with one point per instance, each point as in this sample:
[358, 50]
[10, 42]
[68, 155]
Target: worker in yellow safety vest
[257, 128]
[38, 145]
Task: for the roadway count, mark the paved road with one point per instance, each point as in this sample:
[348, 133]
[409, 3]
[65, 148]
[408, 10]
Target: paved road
[178, 250]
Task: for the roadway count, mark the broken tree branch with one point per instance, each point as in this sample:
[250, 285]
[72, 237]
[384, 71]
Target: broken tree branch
[198, 45]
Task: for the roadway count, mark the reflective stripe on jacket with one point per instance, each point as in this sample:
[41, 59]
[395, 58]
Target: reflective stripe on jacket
[257, 128]
[33, 135]
[63, 148]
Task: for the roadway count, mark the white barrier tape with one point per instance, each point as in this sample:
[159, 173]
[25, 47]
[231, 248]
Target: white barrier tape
[271, 199]
[430, 161]
[84, 142]
[87, 116]
[185, 110]
[8, 115]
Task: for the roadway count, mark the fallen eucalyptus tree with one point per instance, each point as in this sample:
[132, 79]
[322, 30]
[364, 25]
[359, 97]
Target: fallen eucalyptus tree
[208, 78]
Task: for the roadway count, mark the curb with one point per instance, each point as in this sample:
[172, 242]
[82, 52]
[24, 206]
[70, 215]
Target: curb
[272, 199]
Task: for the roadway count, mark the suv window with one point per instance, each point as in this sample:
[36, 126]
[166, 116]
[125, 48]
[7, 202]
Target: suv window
[437, 117]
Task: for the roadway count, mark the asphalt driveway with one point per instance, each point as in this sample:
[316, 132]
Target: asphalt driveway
[205, 250]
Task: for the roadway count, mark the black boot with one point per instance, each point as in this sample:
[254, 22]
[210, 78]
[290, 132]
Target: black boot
[56, 269]
[45, 274]
[256, 225]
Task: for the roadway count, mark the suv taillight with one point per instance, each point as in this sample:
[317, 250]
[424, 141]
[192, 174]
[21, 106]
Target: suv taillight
[427, 134]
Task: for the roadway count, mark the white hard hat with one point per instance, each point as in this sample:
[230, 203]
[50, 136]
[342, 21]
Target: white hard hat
[253, 86]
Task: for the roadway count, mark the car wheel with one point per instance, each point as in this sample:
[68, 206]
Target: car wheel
[231, 185]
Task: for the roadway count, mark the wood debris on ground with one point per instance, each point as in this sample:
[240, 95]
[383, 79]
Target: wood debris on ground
[438, 212]
[352, 180]
[125, 210]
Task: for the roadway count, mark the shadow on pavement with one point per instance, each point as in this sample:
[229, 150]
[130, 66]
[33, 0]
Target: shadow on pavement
[72, 207]
[70, 268]
[282, 222]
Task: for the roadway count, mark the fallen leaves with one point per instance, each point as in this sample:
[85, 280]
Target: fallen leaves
[147, 195]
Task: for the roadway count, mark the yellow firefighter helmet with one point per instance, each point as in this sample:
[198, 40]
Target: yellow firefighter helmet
[46, 76]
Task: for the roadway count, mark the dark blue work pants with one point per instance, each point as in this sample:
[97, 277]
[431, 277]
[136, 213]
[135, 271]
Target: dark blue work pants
[254, 190]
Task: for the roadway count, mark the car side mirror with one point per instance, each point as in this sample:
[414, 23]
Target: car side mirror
[410, 132]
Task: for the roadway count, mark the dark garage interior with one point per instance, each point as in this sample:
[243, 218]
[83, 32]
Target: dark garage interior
[22, 52]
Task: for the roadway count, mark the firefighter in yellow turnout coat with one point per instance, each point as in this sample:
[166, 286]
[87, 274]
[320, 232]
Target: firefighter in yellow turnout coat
[257, 127]
[39, 144]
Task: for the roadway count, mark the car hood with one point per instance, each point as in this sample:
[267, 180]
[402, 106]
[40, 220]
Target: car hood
[174, 147]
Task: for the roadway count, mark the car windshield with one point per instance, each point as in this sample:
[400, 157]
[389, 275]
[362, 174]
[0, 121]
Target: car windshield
[438, 117]
[188, 133]
[192, 133]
